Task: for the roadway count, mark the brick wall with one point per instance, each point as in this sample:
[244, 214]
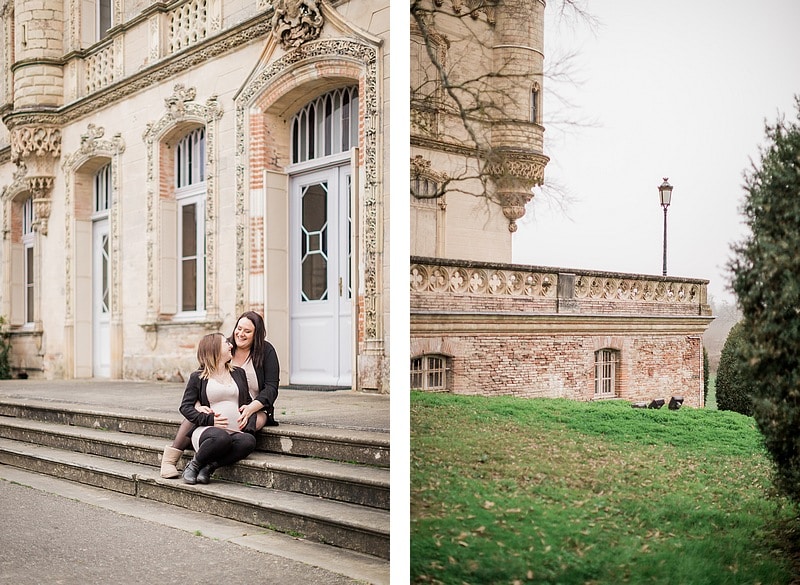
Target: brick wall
[540, 340]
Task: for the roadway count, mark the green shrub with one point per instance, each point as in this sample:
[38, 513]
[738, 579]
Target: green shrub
[766, 279]
[5, 350]
[733, 386]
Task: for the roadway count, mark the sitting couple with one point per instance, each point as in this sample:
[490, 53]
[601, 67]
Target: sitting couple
[227, 399]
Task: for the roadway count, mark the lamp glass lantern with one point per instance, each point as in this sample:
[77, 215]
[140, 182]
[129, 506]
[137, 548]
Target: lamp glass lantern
[665, 193]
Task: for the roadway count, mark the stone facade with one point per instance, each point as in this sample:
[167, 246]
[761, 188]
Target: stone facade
[82, 106]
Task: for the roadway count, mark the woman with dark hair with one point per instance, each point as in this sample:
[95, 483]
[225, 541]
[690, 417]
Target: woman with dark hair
[259, 360]
[215, 394]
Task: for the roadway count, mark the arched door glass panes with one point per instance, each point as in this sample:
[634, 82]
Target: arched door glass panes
[328, 125]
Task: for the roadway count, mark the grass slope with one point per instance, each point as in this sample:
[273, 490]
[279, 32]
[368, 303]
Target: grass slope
[507, 490]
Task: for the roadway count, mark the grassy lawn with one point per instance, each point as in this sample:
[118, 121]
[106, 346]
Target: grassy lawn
[518, 491]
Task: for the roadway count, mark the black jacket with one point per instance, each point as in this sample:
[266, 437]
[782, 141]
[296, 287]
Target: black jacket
[196, 390]
[268, 375]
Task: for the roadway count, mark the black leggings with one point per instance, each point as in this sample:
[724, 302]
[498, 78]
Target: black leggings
[223, 448]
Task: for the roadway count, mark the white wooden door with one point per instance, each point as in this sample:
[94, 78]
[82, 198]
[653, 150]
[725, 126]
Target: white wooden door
[101, 279]
[320, 250]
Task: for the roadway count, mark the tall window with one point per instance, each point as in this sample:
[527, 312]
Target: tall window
[328, 125]
[429, 372]
[101, 205]
[103, 18]
[102, 191]
[27, 246]
[190, 192]
[535, 104]
[605, 373]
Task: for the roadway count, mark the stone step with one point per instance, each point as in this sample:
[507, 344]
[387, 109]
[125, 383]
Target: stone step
[347, 482]
[334, 443]
[359, 528]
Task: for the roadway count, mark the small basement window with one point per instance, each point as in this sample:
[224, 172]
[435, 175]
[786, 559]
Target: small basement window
[429, 372]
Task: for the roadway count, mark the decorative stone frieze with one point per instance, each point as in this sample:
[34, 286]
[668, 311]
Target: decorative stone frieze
[42, 141]
[482, 281]
[295, 22]
[519, 281]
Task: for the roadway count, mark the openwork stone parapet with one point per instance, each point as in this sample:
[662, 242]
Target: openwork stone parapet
[487, 281]
[571, 291]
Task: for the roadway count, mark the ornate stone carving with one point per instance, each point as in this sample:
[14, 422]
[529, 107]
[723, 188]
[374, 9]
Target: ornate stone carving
[318, 51]
[40, 141]
[295, 22]
[92, 146]
[507, 281]
[40, 188]
[514, 175]
[181, 107]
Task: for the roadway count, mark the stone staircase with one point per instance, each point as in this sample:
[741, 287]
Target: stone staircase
[325, 485]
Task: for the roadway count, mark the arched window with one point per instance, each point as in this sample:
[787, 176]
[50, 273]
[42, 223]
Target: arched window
[606, 380]
[328, 125]
[429, 372]
[102, 191]
[190, 194]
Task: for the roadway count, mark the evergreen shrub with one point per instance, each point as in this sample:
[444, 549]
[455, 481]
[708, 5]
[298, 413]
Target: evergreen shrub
[733, 386]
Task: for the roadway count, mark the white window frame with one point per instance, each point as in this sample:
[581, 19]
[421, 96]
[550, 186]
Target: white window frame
[606, 370]
[190, 189]
[28, 259]
[429, 372]
[101, 193]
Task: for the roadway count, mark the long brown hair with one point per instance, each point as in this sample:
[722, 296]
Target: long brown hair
[208, 354]
[259, 337]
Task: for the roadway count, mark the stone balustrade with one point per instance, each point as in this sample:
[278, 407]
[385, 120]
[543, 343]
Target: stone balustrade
[552, 290]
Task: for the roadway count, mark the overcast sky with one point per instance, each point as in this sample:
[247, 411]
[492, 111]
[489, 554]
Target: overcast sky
[677, 89]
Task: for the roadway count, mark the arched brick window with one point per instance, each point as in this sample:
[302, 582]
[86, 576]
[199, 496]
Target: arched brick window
[606, 375]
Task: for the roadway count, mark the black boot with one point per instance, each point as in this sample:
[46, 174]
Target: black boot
[191, 471]
[204, 475]
[271, 422]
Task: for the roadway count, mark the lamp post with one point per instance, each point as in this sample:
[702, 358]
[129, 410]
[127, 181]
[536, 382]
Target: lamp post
[665, 194]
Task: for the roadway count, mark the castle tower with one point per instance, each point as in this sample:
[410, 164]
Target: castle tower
[476, 132]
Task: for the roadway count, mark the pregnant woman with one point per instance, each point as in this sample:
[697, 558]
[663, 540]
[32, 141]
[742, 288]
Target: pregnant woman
[212, 398]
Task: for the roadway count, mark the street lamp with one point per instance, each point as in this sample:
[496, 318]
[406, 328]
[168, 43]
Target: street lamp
[665, 194]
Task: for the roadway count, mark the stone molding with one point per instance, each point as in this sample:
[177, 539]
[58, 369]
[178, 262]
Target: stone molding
[181, 108]
[93, 145]
[318, 51]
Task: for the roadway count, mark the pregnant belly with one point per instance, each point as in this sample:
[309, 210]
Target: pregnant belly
[230, 410]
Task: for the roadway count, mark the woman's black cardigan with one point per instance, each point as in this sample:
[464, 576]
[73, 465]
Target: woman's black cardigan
[196, 390]
[268, 376]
